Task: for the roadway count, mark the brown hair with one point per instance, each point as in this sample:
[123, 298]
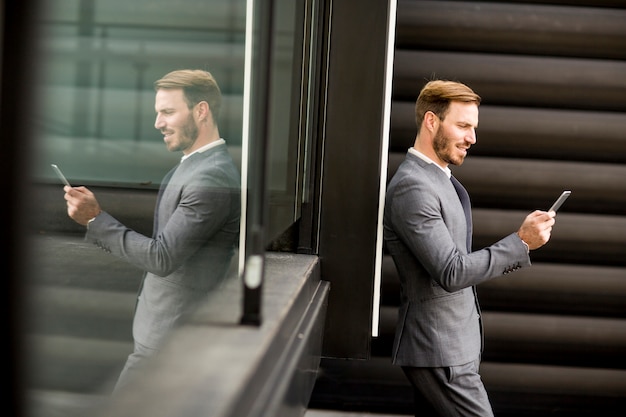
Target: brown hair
[197, 85]
[437, 95]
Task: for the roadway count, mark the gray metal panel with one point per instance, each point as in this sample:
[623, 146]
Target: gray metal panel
[351, 171]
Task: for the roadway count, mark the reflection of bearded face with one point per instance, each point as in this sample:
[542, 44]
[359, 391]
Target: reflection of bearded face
[445, 149]
[189, 133]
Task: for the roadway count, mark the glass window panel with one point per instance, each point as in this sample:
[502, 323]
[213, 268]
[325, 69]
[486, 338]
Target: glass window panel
[100, 58]
[94, 117]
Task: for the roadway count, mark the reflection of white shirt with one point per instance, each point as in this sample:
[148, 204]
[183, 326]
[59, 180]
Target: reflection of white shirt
[430, 161]
[204, 148]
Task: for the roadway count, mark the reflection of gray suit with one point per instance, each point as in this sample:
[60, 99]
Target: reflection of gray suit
[426, 232]
[196, 229]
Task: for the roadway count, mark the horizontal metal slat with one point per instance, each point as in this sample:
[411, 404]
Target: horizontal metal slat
[512, 28]
[541, 338]
[535, 184]
[545, 288]
[530, 133]
[517, 81]
[528, 184]
[571, 380]
[586, 290]
[576, 238]
[562, 340]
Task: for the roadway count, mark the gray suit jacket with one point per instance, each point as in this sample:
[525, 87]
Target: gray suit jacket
[196, 231]
[425, 231]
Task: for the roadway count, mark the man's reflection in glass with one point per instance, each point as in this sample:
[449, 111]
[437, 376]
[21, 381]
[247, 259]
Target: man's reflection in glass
[196, 219]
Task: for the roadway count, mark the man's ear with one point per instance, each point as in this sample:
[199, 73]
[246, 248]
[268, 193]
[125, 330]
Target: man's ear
[203, 111]
[431, 121]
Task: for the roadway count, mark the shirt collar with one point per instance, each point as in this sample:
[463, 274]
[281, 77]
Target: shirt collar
[423, 157]
[204, 148]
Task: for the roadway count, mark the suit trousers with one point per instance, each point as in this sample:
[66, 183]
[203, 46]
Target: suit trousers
[454, 391]
[134, 366]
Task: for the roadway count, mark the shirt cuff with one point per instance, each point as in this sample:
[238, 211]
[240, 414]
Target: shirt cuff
[525, 244]
[92, 219]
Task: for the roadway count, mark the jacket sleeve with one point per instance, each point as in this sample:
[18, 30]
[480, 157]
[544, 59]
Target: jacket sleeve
[202, 208]
[433, 230]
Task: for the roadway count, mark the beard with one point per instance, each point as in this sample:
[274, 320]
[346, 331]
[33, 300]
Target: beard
[444, 149]
[188, 135]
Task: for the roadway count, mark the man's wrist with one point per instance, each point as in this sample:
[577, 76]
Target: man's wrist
[91, 220]
[525, 244]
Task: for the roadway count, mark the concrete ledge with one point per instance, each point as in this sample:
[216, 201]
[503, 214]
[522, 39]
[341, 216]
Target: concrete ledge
[215, 366]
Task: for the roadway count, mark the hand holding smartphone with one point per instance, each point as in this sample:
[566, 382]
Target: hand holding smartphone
[557, 204]
[60, 174]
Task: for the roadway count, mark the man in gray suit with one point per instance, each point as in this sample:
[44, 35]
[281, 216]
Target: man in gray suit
[427, 230]
[196, 220]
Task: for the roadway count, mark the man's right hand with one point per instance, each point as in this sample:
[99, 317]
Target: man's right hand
[536, 228]
[82, 205]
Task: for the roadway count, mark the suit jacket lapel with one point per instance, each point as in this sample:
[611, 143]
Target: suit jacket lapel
[465, 202]
[164, 183]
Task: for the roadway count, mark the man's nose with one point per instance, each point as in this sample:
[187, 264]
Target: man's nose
[471, 137]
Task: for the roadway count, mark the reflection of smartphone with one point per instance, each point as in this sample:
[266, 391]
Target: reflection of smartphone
[60, 174]
[560, 201]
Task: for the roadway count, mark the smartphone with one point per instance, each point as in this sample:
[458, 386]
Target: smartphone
[559, 201]
[60, 174]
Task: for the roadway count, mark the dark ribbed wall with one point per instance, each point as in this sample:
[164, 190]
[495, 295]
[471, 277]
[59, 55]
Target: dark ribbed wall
[552, 78]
